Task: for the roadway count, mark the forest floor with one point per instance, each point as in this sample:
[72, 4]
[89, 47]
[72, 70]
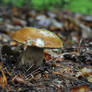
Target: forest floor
[68, 69]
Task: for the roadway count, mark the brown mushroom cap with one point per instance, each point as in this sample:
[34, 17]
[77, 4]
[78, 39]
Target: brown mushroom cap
[37, 37]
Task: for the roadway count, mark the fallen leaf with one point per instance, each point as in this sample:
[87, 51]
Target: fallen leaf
[18, 79]
[56, 73]
[47, 56]
[82, 88]
[13, 43]
[37, 77]
[84, 72]
[3, 79]
[89, 78]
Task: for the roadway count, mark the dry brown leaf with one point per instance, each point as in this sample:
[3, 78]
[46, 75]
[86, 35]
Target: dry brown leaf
[58, 65]
[56, 73]
[13, 43]
[59, 89]
[47, 56]
[18, 79]
[45, 75]
[37, 77]
[82, 88]
[3, 79]
[89, 78]
[0, 65]
[84, 72]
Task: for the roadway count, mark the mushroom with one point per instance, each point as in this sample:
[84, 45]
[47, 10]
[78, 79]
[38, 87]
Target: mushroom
[36, 40]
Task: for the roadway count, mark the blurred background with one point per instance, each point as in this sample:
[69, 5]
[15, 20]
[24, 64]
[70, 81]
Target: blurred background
[69, 19]
[81, 6]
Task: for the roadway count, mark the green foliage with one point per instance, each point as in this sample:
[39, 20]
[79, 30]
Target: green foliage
[37, 4]
[46, 4]
[17, 3]
[82, 6]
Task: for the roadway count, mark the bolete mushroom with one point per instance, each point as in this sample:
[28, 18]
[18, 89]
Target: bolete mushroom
[36, 40]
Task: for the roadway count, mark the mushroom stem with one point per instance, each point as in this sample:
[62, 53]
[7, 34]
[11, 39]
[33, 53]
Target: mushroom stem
[32, 56]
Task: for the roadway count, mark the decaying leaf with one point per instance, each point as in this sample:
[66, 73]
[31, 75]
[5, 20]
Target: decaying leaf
[89, 78]
[82, 88]
[13, 43]
[47, 56]
[84, 72]
[18, 79]
[37, 77]
[3, 79]
[56, 73]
